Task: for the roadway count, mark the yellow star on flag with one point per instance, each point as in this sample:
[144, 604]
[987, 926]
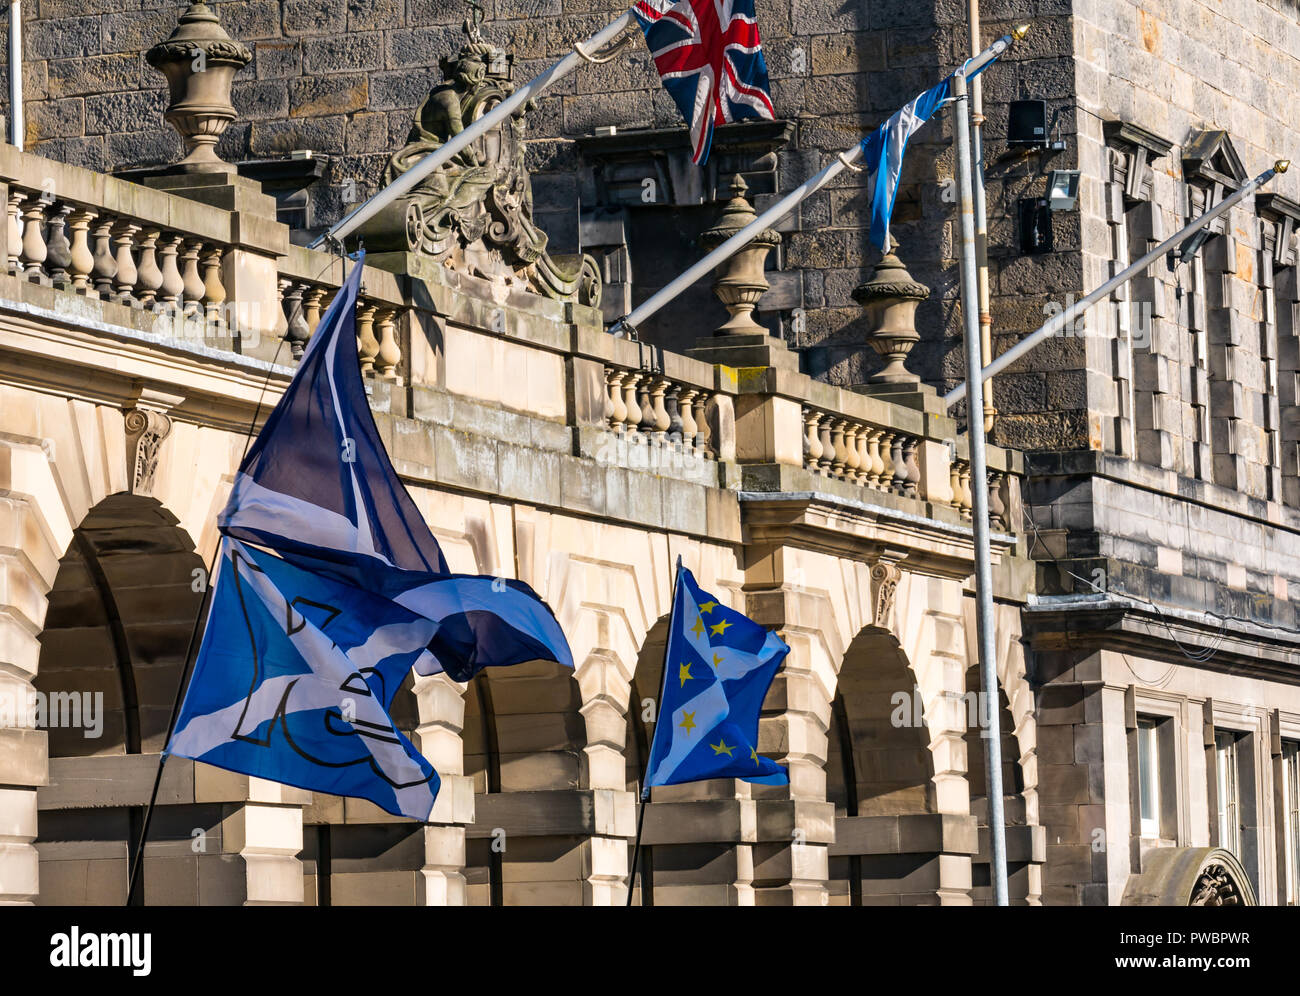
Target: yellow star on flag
[721, 628]
[717, 661]
[684, 673]
[753, 756]
[698, 628]
[688, 721]
[721, 747]
[708, 607]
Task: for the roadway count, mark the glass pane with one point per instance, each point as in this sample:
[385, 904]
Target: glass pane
[1148, 787]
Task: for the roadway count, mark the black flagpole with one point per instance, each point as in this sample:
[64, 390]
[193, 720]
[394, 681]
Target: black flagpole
[137, 860]
[645, 789]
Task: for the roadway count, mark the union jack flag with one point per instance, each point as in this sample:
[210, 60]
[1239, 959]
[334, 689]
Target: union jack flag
[709, 57]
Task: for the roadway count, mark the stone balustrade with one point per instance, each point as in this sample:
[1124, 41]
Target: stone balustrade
[134, 258]
[644, 406]
[308, 281]
[877, 457]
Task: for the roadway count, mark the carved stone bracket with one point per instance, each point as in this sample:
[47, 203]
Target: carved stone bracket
[885, 575]
[147, 425]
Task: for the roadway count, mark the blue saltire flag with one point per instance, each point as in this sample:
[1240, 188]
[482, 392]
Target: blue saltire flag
[305, 646]
[718, 666]
[883, 149]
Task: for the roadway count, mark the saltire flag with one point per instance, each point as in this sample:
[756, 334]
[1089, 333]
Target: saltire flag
[709, 57]
[883, 149]
[330, 589]
[718, 666]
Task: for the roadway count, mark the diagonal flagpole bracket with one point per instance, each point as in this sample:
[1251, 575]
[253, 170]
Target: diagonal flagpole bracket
[610, 52]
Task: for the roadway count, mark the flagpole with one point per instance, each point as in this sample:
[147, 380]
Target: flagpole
[981, 214]
[1063, 320]
[582, 52]
[137, 860]
[204, 607]
[663, 691]
[984, 623]
[847, 159]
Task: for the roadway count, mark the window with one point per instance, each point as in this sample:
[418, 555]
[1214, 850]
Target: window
[1291, 808]
[1149, 778]
[1225, 765]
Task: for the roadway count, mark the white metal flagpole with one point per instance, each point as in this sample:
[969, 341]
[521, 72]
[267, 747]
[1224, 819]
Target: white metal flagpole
[1065, 318]
[984, 622]
[582, 52]
[845, 160]
[16, 73]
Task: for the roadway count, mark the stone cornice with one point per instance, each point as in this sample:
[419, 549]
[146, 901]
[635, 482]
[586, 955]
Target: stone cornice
[854, 529]
[1118, 623]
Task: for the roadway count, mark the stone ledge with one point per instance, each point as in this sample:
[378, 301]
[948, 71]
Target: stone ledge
[920, 833]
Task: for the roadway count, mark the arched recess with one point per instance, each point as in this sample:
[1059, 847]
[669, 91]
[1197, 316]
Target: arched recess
[643, 701]
[121, 612]
[524, 740]
[880, 777]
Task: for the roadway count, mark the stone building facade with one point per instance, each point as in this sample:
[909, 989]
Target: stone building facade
[1146, 508]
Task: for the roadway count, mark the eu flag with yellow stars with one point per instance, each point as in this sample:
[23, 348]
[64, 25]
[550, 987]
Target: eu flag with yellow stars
[718, 668]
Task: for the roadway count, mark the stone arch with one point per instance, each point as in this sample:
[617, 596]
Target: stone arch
[880, 778]
[896, 759]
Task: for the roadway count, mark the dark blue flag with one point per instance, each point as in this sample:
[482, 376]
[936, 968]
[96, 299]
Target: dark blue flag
[306, 646]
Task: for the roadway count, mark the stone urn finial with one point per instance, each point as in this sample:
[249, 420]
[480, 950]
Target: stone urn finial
[739, 280]
[890, 298]
[200, 62]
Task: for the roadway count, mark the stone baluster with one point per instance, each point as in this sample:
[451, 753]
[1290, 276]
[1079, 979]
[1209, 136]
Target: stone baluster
[148, 278]
[659, 412]
[966, 499]
[633, 417]
[312, 300]
[864, 455]
[884, 455]
[173, 284]
[997, 508]
[672, 402]
[295, 324]
[15, 237]
[874, 466]
[899, 483]
[852, 463]
[954, 482]
[839, 454]
[615, 409]
[105, 268]
[827, 459]
[58, 248]
[367, 344]
[912, 486]
[192, 282]
[81, 261]
[645, 403]
[686, 404]
[390, 353]
[34, 252]
[214, 291]
[703, 433]
[812, 447]
[126, 274]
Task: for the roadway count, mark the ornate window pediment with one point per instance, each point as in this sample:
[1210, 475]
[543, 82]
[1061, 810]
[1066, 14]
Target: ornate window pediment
[1279, 236]
[1136, 149]
[1209, 160]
